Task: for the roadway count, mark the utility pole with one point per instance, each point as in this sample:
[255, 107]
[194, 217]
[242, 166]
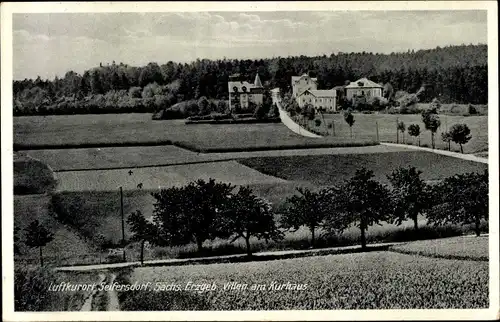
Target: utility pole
[123, 222]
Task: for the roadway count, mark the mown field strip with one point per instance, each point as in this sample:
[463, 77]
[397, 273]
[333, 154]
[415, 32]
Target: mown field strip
[153, 178]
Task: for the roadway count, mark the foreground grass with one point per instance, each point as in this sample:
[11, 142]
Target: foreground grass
[378, 280]
[31, 289]
[332, 169]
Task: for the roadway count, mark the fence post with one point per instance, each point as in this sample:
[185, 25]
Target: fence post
[397, 130]
[376, 126]
[333, 127]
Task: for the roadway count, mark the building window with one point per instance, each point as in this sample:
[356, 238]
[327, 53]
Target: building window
[244, 89]
[235, 89]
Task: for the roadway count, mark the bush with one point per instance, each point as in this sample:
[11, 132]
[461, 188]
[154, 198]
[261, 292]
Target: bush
[32, 177]
[472, 110]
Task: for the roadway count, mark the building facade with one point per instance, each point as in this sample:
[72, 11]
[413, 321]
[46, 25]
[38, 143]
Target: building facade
[363, 87]
[319, 99]
[242, 94]
[302, 83]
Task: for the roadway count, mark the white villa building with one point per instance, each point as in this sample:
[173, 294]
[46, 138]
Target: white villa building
[319, 98]
[242, 93]
[363, 87]
[305, 91]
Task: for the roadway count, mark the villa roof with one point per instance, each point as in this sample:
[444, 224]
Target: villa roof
[320, 92]
[364, 83]
[239, 86]
[257, 82]
[297, 78]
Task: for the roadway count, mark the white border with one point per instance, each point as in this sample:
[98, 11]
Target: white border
[7, 165]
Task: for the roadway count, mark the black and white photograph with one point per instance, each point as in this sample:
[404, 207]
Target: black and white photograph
[211, 158]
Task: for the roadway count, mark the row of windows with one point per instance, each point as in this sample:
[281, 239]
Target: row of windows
[320, 100]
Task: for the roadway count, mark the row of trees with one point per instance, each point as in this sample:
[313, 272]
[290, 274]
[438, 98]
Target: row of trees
[204, 210]
[455, 74]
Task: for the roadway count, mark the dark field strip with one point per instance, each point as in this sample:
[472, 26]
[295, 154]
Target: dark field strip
[42, 146]
[324, 170]
[201, 149]
[192, 147]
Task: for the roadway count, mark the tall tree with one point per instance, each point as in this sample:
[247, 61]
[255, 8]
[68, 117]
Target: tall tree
[245, 216]
[361, 201]
[38, 236]
[414, 130]
[460, 134]
[432, 123]
[308, 208]
[142, 230]
[462, 199]
[349, 119]
[410, 195]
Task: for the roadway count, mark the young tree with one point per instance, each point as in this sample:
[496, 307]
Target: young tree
[361, 200]
[414, 130]
[191, 213]
[245, 215]
[409, 193]
[38, 236]
[446, 137]
[203, 105]
[462, 199]
[460, 134]
[308, 209]
[402, 129]
[349, 119]
[142, 230]
[432, 123]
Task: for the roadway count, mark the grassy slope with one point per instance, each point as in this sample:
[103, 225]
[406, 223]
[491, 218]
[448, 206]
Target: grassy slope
[333, 169]
[94, 213]
[66, 241]
[365, 128]
[376, 282]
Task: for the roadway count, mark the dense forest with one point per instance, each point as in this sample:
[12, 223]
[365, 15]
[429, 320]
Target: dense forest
[454, 74]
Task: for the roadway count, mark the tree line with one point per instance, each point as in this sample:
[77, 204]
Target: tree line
[205, 210]
[454, 74]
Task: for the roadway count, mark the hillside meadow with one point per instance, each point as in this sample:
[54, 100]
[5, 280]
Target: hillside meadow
[365, 127]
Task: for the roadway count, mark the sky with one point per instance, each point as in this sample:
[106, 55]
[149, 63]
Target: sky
[50, 44]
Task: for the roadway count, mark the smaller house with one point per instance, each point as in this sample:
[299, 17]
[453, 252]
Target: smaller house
[319, 99]
[301, 83]
[363, 88]
[242, 93]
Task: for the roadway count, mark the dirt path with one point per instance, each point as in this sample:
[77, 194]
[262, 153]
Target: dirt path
[87, 305]
[113, 303]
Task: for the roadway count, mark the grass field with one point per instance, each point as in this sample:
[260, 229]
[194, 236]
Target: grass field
[471, 247]
[131, 129]
[376, 280]
[333, 169]
[365, 127]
